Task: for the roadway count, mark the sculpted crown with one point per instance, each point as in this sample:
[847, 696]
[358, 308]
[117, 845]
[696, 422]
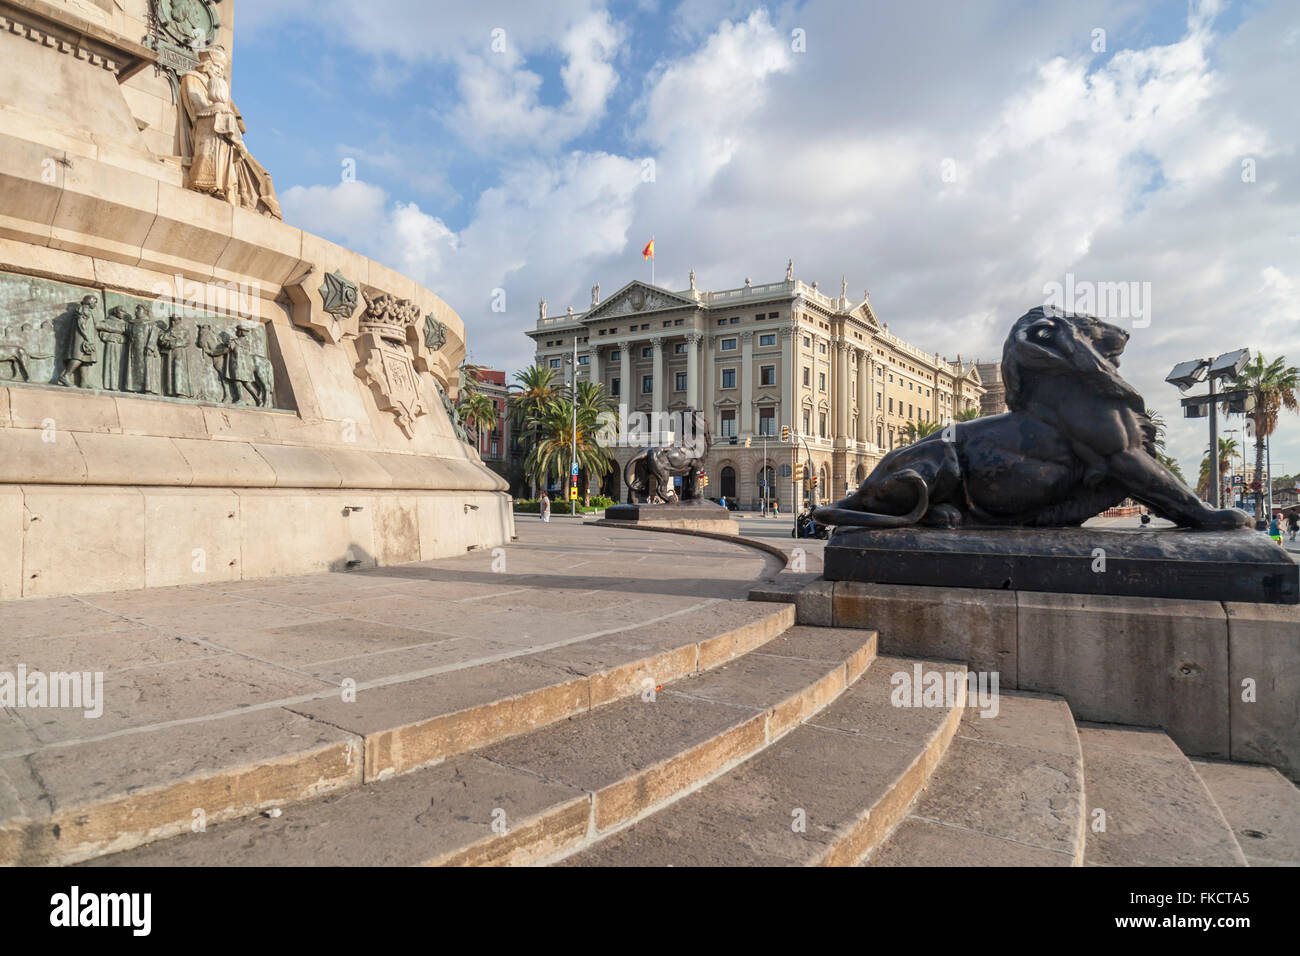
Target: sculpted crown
[389, 317]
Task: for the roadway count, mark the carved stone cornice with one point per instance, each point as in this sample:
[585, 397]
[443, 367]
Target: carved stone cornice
[65, 32]
[747, 335]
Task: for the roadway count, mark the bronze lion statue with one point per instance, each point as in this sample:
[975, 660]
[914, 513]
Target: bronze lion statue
[650, 471]
[1077, 441]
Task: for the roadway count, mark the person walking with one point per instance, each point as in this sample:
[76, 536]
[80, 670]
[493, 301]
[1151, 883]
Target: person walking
[1274, 531]
[1292, 524]
[546, 507]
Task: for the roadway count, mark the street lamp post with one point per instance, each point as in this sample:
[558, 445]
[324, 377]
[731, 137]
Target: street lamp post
[1186, 374]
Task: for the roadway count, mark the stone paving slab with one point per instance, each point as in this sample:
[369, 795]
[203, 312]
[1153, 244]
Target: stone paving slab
[1261, 806]
[1158, 811]
[180, 664]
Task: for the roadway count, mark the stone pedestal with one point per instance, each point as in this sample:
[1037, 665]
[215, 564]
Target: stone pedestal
[1221, 678]
[1239, 566]
[689, 515]
[248, 399]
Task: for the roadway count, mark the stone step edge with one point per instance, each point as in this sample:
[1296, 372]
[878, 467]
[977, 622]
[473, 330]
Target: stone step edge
[303, 775]
[575, 825]
[740, 539]
[877, 822]
[1081, 828]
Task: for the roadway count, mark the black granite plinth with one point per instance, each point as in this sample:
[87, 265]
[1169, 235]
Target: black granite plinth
[694, 510]
[1173, 563]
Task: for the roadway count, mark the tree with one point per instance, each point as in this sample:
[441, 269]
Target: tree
[1274, 385]
[1227, 448]
[915, 431]
[477, 411]
[969, 415]
[1161, 455]
[534, 390]
[555, 448]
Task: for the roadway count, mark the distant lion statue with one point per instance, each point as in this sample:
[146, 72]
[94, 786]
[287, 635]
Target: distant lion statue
[1077, 440]
[650, 471]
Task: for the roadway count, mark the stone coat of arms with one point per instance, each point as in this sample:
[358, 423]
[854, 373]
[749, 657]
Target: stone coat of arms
[387, 364]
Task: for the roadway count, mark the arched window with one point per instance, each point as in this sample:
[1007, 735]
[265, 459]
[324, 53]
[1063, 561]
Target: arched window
[766, 475]
[728, 482]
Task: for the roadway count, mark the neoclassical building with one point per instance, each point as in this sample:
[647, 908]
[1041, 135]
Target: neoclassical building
[756, 358]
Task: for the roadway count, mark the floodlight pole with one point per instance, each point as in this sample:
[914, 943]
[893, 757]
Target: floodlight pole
[1215, 490]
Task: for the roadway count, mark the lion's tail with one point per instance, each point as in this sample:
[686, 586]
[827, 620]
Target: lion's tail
[842, 513]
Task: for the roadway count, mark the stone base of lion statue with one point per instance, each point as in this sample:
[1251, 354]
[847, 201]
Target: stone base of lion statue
[1242, 566]
[695, 515]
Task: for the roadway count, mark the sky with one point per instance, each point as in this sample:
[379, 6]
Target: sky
[964, 161]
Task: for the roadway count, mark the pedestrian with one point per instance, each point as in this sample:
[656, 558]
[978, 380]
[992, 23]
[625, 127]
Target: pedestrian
[1292, 524]
[546, 507]
[723, 502]
[1274, 531]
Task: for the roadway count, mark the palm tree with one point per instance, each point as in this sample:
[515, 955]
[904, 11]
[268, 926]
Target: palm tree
[467, 381]
[477, 411]
[1274, 386]
[594, 407]
[535, 389]
[1161, 455]
[1227, 448]
[969, 415]
[555, 448]
[915, 431]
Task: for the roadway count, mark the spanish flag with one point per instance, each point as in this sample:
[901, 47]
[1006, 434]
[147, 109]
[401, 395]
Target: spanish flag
[649, 251]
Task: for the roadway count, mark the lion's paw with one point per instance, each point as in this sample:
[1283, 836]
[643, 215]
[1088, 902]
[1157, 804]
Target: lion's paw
[1225, 519]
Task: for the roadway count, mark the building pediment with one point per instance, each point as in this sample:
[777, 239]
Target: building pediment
[637, 298]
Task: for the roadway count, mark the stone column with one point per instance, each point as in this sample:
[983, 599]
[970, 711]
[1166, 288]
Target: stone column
[864, 397]
[693, 369]
[789, 343]
[593, 369]
[627, 393]
[746, 372]
[657, 370]
[840, 412]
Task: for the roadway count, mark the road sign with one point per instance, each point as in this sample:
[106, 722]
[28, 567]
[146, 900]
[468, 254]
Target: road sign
[573, 494]
[574, 470]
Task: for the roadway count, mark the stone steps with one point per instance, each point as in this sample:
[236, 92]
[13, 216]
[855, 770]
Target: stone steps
[1010, 792]
[824, 795]
[1147, 805]
[1261, 806]
[544, 795]
[130, 788]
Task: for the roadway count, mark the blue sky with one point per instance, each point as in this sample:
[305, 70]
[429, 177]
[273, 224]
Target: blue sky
[953, 158]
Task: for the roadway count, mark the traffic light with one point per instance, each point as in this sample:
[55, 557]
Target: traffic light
[798, 472]
[812, 481]
[785, 433]
[704, 481]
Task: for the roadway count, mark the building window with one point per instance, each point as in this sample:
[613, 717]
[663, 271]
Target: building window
[807, 342]
[767, 421]
[722, 321]
[774, 315]
[601, 332]
[555, 363]
[679, 382]
[678, 322]
[767, 339]
[877, 399]
[880, 438]
[679, 348]
[615, 387]
[729, 345]
[821, 347]
[584, 359]
[909, 411]
[728, 488]
[821, 381]
[647, 384]
[891, 406]
[806, 376]
[616, 355]
[767, 375]
[807, 428]
[727, 424]
[496, 449]
[821, 424]
[735, 320]
[728, 378]
[647, 351]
